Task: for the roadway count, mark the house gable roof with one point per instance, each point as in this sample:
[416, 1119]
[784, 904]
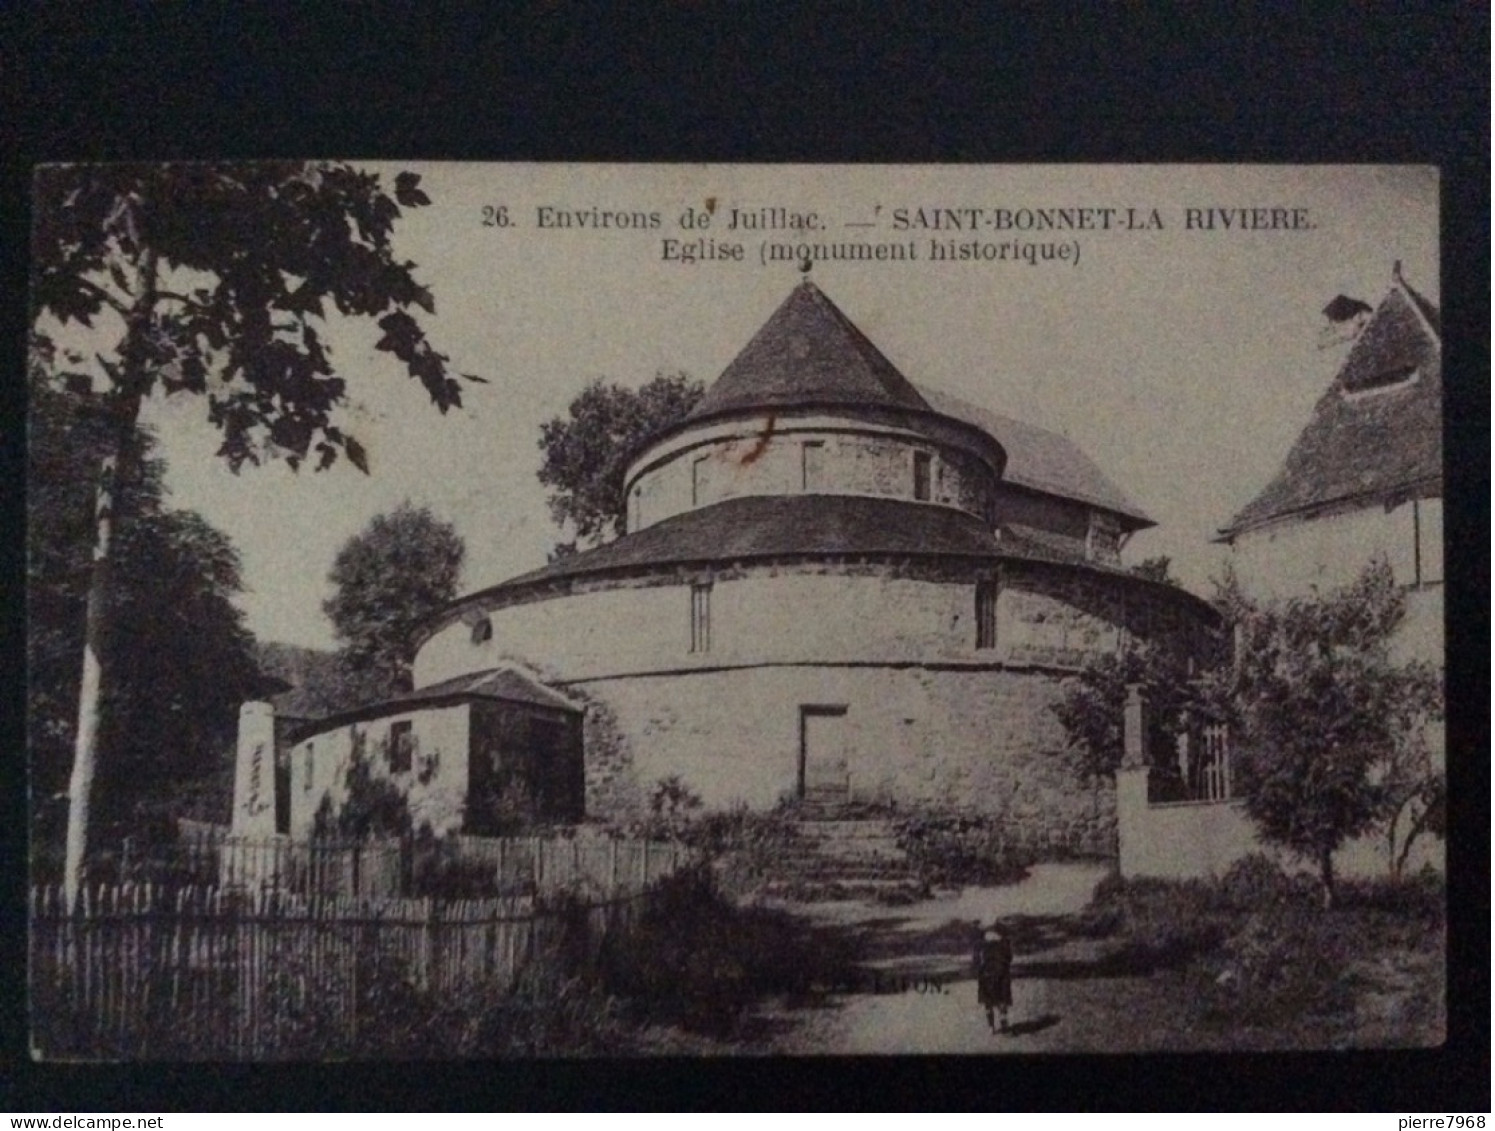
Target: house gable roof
[808, 352]
[1041, 460]
[1377, 433]
[503, 684]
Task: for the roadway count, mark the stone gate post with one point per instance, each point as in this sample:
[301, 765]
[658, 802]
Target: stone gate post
[1131, 783]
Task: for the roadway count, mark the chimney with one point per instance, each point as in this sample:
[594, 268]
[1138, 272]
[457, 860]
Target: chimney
[1344, 318]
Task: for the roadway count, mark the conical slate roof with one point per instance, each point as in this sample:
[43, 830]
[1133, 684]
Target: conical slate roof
[808, 352]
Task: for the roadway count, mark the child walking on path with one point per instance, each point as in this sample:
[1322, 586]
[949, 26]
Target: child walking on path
[993, 960]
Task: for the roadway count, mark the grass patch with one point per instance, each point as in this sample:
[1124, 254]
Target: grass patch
[1256, 952]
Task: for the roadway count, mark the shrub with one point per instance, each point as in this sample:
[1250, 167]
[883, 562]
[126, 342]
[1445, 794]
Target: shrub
[671, 806]
[742, 845]
[1278, 967]
[1422, 897]
[550, 1013]
[1162, 922]
[439, 870]
[372, 806]
[1258, 881]
[696, 959]
[961, 848]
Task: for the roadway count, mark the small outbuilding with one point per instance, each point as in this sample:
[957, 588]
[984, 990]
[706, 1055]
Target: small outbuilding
[480, 753]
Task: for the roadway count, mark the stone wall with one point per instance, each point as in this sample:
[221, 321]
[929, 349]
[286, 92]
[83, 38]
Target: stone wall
[930, 719]
[768, 457]
[983, 740]
[435, 786]
[1326, 552]
[1293, 556]
[911, 611]
[1202, 839]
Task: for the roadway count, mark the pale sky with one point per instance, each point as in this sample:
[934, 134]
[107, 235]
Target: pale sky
[1183, 362]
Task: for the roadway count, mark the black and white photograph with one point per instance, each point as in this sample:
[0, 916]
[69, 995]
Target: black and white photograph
[532, 610]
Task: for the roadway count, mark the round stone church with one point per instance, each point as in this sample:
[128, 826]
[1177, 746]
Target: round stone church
[837, 586]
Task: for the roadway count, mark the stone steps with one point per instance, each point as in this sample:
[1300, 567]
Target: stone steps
[851, 858]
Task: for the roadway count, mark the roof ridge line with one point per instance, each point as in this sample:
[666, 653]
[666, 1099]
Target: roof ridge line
[869, 349]
[1417, 301]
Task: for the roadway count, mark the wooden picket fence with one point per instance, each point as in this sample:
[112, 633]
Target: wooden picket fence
[138, 971]
[206, 856]
[594, 866]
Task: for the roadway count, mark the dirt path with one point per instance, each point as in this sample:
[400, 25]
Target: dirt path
[915, 992]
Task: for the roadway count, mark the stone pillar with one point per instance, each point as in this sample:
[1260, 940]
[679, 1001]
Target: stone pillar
[254, 772]
[1131, 787]
[1134, 729]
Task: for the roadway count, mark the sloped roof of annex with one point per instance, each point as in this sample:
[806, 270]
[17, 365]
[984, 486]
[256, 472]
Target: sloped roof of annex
[504, 684]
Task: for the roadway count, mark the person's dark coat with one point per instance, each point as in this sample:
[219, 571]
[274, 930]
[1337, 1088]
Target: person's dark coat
[994, 970]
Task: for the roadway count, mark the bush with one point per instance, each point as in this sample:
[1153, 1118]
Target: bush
[742, 845]
[696, 959]
[1162, 922]
[1258, 881]
[1259, 950]
[961, 848]
[1279, 966]
[1422, 897]
[440, 871]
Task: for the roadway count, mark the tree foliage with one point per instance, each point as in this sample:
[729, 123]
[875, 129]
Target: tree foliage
[586, 452]
[1092, 706]
[372, 806]
[221, 275]
[213, 279]
[1159, 568]
[180, 659]
[1334, 730]
[386, 581]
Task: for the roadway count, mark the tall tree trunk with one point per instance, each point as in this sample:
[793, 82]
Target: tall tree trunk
[131, 379]
[90, 694]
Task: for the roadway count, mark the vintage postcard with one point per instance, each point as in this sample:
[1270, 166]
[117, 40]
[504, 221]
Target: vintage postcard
[488, 610]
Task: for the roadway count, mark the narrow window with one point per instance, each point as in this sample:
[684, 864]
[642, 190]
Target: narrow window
[1103, 537]
[401, 746]
[812, 465]
[1416, 546]
[635, 505]
[310, 764]
[921, 475]
[986, 614]
[698, 480]
[700, 618]
[482, 631]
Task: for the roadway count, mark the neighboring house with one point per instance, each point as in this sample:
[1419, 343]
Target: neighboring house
[1364, 480]
[835, 586]
[1365, 477]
